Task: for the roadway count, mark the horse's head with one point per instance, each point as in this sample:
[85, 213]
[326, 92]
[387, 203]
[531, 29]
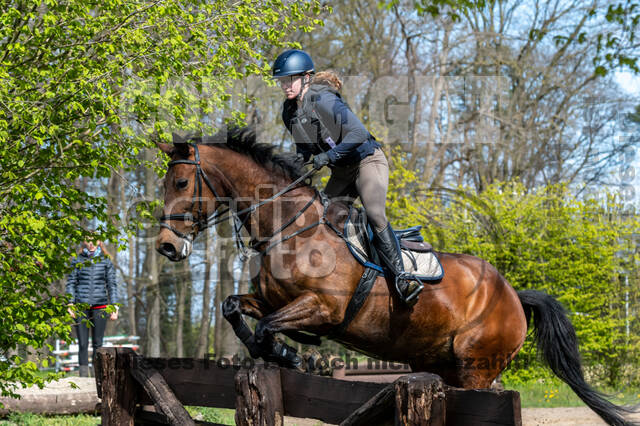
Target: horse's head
[191, 194]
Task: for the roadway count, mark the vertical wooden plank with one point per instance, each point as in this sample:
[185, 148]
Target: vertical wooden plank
[483, 407]
[517, 409]
[119, 391]
[97, 368]
[259, 397]
[420, 400]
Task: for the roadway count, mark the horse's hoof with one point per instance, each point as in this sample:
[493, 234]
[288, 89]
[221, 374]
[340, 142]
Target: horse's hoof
[316, 363]
[285, 356]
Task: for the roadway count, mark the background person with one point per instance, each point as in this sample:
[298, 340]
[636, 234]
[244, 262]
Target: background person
[93, 282]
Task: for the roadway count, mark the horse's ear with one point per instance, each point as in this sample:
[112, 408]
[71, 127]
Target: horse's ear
[176, 138]
[165, 147]
[181, 146]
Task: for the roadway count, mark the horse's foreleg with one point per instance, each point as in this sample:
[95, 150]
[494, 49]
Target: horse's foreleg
[305, 312]
[305, 339]
[249, 304]
[234, 307]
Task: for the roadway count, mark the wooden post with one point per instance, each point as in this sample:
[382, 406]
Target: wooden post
[118, 389]
[420, 400]
[259, 397]
[161, 394]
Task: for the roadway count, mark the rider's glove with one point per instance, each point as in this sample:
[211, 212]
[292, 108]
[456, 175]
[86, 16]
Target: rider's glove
[320, 160]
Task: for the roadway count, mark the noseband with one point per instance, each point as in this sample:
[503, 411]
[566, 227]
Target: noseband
[201, 221]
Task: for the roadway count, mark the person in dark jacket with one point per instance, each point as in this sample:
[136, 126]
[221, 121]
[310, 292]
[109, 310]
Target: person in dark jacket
[324, 126]
[93, 282]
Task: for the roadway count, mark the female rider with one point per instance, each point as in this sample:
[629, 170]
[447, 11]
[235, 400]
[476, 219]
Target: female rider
[322, 124]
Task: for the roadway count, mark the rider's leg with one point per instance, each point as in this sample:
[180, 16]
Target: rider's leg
[372, 183]
[341, 184]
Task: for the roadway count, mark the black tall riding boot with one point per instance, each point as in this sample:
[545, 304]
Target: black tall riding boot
[407, 286]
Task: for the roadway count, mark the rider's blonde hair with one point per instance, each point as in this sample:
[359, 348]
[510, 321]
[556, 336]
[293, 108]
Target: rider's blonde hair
[329, 78]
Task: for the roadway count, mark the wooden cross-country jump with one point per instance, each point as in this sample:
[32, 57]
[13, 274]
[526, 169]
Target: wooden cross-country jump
[138, 390]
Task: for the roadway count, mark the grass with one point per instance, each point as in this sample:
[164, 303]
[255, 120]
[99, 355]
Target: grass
[223, 416]
[214, 415]
[28, 419]
[552, 393]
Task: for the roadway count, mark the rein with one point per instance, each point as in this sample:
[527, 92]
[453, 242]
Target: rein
[203, 223]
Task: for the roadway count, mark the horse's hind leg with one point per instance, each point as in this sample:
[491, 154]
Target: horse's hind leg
[470, 372]
[483, 352]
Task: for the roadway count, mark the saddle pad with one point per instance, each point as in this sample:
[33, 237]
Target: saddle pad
[424, 265]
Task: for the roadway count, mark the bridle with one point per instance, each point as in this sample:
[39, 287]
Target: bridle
[202, 222]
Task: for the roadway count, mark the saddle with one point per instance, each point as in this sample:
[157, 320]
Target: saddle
[418, 256]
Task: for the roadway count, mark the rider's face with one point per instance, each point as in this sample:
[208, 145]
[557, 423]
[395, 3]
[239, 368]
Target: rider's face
[291, 85]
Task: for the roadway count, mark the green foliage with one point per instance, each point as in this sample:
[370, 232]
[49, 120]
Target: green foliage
[580, 251]
[83, 85]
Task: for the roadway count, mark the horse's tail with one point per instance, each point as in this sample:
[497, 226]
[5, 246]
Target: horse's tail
[556, 339]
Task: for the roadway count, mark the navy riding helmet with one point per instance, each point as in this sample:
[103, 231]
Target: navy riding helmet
[292, 62]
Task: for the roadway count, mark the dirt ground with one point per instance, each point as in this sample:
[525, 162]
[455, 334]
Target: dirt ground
[569, 416]
[565, 416]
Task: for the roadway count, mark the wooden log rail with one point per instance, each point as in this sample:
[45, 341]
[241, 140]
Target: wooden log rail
[264, 394]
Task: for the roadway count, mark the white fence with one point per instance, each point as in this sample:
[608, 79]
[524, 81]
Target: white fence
[66, 353]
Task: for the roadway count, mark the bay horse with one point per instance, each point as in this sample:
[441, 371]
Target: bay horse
[466, 328]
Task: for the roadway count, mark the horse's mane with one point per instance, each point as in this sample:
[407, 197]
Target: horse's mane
[243, 140]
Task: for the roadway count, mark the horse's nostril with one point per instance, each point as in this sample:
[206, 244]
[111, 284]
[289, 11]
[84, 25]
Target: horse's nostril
[167, 249]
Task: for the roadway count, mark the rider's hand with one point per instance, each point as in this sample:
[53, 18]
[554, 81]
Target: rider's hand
[320, 160]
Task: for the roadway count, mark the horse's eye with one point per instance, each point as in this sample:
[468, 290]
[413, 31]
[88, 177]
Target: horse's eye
[182, 183]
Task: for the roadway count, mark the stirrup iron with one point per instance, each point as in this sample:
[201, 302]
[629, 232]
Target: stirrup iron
[408, 279]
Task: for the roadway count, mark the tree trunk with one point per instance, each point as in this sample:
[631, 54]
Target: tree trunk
[205, 322]
[183, 283]
[180, 290]
[151, 272]
[225, 341]
[130, 281]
